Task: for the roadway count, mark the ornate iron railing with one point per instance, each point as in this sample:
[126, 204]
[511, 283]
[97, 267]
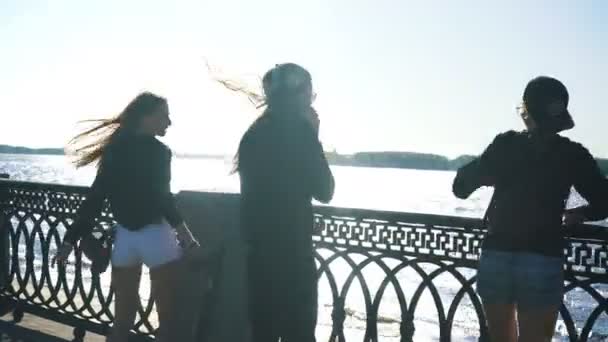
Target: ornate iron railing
[383, 276]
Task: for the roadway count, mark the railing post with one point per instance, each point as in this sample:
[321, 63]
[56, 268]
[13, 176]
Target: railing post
[407, 328]
[5, 305]
[79, 334]
[4, 260]
[228, 318]
[338, 315]
[4, 249]
[212, 303]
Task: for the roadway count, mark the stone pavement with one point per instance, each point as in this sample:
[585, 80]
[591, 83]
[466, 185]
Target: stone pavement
[35, 329]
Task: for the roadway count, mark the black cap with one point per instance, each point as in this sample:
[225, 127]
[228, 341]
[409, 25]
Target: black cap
[543, 89]
[540, 92]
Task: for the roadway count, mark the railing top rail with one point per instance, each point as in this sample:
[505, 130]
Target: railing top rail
[41, 185]
[583, 231]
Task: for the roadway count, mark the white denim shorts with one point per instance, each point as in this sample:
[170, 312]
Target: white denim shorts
[153, 245]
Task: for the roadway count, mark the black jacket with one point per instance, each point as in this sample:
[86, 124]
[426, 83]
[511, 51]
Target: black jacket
[134, 176]
[532, 183]
[282, 167]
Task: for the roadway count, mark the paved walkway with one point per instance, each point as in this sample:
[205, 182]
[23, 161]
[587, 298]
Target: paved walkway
[35, 329]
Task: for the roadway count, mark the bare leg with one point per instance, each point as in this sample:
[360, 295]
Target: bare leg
[125, 281]
[164, 288]
[538, 324]
[502, 323]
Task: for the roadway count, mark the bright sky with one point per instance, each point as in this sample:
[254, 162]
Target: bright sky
[429, 76]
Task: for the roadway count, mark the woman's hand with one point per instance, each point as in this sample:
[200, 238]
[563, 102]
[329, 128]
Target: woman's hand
[313, 117]
[574, 216]
[185, 237]
[63, 252]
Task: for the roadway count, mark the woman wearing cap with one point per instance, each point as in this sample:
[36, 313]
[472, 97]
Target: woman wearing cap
[282, 167]
[520, 276]
[133, 173]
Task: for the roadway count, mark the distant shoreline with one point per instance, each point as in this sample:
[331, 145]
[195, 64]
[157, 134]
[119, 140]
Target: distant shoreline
[397, 160]
[7, 149]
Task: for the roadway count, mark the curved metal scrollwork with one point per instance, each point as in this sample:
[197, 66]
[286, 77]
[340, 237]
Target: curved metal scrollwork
[441, 256]
[383, 276]
[37, 217]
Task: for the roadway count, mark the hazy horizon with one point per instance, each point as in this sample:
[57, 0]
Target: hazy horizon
[198, 154]
[433, 77]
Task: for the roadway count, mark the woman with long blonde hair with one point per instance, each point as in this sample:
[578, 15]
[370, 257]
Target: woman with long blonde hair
[133, 174]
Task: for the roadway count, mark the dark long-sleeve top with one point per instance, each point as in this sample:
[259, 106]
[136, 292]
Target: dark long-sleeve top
[282, 167]
[134, 176]
[532, 183]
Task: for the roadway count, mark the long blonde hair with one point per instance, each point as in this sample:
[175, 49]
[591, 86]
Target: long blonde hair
[89, 146]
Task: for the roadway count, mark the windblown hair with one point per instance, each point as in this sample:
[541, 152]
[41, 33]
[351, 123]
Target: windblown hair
[286, 91]
[89, 146]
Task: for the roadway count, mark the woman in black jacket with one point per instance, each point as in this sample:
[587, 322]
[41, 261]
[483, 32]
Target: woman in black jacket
[134, 174]
[520, 276]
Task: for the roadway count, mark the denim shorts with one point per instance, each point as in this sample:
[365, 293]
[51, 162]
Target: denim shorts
[526, 279]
